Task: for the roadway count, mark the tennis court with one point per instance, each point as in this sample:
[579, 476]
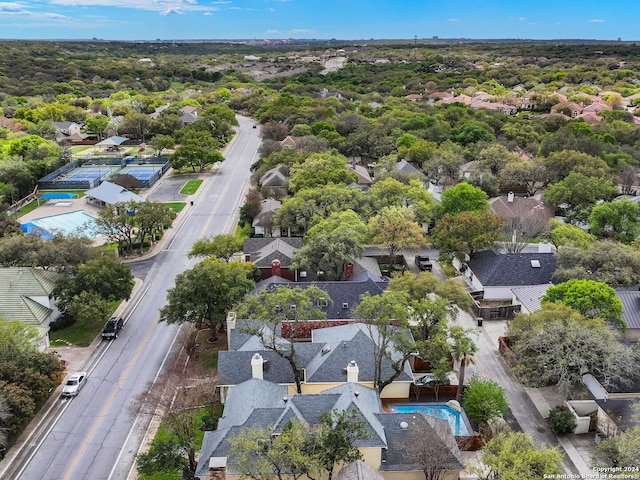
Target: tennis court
[89, 173]
[142, 173]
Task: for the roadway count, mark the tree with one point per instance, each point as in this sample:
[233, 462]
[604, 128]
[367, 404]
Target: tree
[619, 219]
[151, 219]
[269, 310]
[334, 443]
[104, 275]
[471, 131]
[136, 125]
[579, 193]
[484, 400]
[395, 228]
[125, 180]
[529, 175]
[437, 456]
[564, 234]
[419, 286]
[257, 453]
[331, 243]
[118, 224]
[386, 318]
[560, 165]
[97, 124]
[622, 450]
[463, 348]
[162, 142]
[223, 246]
[557, 345]
[590, 298]
[197, 149]
[21, 405]
[445, 162]
[513, 456]
[466, 233]
[495, 158]
[320, 169]
[61, 253]
[178, 398]
[463, 198]
[207, 292]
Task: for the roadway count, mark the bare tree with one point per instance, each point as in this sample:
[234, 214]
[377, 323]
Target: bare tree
[430, 444]
[176, 400]
[628, 177]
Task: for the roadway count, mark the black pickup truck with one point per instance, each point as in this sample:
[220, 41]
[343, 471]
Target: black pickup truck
[423, 263]
[112, 328]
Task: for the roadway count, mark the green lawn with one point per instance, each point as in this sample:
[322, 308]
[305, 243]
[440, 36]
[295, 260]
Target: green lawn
[80, 334]
[191, 187]
[242, 231]
[176, 206]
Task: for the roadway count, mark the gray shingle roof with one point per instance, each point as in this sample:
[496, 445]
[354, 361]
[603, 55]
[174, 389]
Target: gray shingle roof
[630, 306]
[248, 396]
[530, 296]
[345, 295]
[252, 245]
[277, 248]
[358, 471]
[398, 457]
[512, 269]
[111, 193]
[234, 367]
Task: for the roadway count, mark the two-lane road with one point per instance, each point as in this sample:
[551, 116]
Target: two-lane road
[94, 436]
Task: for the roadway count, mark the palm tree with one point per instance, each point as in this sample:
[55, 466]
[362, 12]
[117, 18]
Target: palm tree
[462, 350]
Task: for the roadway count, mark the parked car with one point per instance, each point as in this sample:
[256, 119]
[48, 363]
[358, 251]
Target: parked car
[424, 263]
[112, 328]
[74, 384]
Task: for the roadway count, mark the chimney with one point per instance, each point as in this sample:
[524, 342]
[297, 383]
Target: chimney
[352, 372]
[544, 247]
[247, 257]
[257, 366]
[510, 197]
[231, 325]
[348, 270]
[276, 268]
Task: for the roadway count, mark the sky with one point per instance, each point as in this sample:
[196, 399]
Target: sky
[319, 19]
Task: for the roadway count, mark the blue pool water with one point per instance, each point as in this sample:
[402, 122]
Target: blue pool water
[455, 418]
[72, 223]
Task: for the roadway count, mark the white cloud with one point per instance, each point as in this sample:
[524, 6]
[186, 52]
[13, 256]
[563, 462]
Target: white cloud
[172, 11]
[7, 8]
[271, 9]
[522, 19]
[452, 19]
[597, 20]
[161, 6]
[299, 31]
[272, 31]
[207, 14]
[55, 15]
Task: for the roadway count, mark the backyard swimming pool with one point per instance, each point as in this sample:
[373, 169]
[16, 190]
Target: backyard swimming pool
[457, 421]
[71, 223]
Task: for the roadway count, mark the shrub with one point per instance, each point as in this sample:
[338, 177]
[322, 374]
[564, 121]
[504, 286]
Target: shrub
[561, 420]
[484, 400]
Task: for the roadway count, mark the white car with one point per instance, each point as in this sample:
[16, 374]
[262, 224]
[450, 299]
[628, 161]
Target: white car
[74, 384]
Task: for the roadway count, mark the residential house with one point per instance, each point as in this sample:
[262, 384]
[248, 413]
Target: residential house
[343, 297]
[496, 274]
[108, 193]
[189, 114]
[630, 299]
[261, 404]
[276, 180]
[263, 221]
[414, 97]
[26, 296]
[406, 166]
[272, 256]
[529, 297]
[528, 215]
[335, 355]
[570, 109]
[364, 178]
[291, 142]
[69, 132]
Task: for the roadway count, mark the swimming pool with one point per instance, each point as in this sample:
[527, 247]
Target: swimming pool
[71, 223]
[457, 421]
